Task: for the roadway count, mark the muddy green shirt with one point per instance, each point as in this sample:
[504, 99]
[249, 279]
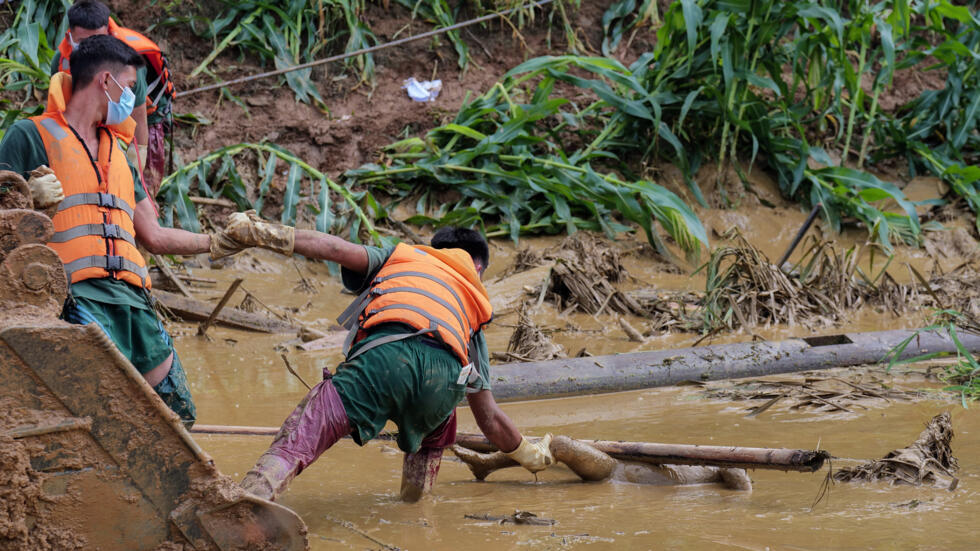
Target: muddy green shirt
[358, 282]
[21, 151]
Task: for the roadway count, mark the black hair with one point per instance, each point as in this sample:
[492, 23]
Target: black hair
[88, 14]
[98, 53]
[471, 241]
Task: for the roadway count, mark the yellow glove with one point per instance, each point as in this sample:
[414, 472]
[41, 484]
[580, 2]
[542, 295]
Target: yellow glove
[140, 161]
[534, 456]
[45, 188]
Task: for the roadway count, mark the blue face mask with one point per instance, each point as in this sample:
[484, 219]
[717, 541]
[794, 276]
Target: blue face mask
[71, 40]
[118, 111]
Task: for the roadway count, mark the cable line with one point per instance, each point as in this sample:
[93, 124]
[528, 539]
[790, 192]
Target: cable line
[362, 51]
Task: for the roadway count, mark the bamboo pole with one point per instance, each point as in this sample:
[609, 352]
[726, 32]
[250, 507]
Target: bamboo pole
[781, 459]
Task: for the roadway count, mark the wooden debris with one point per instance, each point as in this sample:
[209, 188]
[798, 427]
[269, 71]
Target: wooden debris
[529, 343]
[165, 269]
[519, 517]
[202, 330]
[189, 309]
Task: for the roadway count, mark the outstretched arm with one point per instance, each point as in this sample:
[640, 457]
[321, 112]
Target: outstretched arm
[160, 240]
[323, 246]
[493, 422]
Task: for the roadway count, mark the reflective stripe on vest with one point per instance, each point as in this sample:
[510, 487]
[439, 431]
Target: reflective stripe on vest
[435, 292]
[94, 232]
[100, 199]
[105, 230]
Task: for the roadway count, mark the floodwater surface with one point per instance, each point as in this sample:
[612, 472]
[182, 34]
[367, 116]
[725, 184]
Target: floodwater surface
[238, 378]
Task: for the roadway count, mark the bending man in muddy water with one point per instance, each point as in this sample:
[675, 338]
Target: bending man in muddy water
[73, 157]
[415, 349]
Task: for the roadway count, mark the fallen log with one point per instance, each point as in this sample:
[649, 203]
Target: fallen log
[638, 370]
[781, 459]
[190, 309]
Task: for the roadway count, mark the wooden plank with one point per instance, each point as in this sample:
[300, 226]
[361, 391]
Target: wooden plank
[190, 309]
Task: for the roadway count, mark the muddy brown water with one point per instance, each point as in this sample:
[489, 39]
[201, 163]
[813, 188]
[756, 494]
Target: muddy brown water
[239, 379]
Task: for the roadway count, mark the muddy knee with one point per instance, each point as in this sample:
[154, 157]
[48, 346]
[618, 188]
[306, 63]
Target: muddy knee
[587, 462]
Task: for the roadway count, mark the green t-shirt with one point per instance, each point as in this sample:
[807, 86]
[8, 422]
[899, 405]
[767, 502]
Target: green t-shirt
[358, 282]
[21, 151]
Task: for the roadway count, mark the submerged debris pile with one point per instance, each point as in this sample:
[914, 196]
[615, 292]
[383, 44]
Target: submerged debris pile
[929, 460]
[585, 268]
[529, 343]
[822, 394]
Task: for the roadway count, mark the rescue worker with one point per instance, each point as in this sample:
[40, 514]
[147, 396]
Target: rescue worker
[153, 110]
[415, 348]
[71, 156]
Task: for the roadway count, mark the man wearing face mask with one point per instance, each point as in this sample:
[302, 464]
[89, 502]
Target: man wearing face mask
[152, 111]
[77, 171]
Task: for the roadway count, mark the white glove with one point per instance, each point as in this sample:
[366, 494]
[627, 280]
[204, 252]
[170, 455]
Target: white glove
[131, 156]
[534, 456]
[45, 188]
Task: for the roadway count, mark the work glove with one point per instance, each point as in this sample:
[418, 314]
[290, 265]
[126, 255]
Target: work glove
[138, 161]
[46, 190]
[534, 456]
[223, 245]
[247, 228]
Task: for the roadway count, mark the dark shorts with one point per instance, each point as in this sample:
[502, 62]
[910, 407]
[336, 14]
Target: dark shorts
[141, 337]
[409, 382]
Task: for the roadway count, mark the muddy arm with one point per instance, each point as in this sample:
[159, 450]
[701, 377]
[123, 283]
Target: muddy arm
[493, 422]
[323, 246]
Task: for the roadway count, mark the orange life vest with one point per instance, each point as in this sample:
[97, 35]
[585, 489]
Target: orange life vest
[436, 291]
[162, 86]
[94, 233]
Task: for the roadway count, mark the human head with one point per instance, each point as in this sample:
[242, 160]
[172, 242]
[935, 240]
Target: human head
[87, 18]
[471, 241]
[106, 65]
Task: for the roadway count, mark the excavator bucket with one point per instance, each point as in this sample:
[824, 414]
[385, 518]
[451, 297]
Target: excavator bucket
[90, 457]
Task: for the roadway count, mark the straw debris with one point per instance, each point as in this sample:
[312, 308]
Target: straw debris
[929, 460]
[529, 343]
[818, 394]
[586, 267]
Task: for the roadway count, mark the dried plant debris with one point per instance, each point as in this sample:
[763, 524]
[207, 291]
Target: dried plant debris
[929, 460]
[519, 517]
[820, 394]
[585, 268]
[529, 343]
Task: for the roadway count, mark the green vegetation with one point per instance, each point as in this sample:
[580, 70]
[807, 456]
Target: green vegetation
[299, 31]
[27, 46]
[218, 174]
[504, 157]
[730, 80]
[964, 374]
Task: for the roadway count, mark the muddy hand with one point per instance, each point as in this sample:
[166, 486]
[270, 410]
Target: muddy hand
[46, 190]
[247, 228]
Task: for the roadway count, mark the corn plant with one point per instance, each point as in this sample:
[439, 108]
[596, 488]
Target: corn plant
[26, 49]
[937, 132]
[216, 175]
[504, 159]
